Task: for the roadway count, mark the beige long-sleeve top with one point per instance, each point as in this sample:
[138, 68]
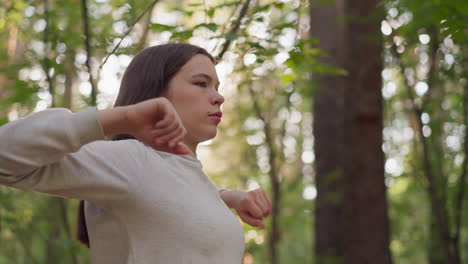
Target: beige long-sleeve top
[142, 206]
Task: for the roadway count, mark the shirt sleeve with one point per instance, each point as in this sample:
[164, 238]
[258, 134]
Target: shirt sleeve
[62, 153]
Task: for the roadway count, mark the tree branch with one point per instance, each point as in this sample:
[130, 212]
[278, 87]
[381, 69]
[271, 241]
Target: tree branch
[149, 7]
[146, 28]
[223, 29]
[234, 29]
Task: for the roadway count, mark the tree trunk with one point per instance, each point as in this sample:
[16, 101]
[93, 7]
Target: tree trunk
[441, 243]
[351, 207]
[70, 77]
[274, 234]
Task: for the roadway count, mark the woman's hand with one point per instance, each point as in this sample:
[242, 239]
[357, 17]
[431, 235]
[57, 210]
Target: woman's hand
[251, 206]
[154, 122]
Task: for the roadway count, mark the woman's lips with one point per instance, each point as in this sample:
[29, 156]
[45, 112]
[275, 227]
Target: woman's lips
[219, 114]
[215, 117]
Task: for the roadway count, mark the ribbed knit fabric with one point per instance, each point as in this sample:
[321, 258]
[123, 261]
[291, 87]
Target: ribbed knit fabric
[142, 206]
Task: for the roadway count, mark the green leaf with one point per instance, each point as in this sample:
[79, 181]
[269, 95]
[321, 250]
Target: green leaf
[254, 45]
[285, 25]
[279, 5]
[182, 35]
[210, 12]
[162, 27]
[183, 11]
[227, 4]
[211, 26]
[259, 19]
[263, 8]
[288, 78]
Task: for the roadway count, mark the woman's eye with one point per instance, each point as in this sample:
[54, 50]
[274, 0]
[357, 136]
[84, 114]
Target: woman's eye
[201, 84]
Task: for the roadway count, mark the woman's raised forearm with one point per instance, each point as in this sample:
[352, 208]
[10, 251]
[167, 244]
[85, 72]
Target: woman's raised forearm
[153, 122]
[114, 121]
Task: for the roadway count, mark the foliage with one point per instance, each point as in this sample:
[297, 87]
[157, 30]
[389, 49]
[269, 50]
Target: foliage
[270, 59]
[425, 90]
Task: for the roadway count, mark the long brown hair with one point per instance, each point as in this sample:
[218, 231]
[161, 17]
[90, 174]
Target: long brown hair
[146, 77]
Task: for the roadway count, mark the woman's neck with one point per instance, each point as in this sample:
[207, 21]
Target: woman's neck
[191, 145]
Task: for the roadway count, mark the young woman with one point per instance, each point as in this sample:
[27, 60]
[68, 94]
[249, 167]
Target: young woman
[147, 199]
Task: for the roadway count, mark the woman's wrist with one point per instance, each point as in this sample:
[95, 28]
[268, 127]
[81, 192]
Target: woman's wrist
[231, 197]
[114, 121]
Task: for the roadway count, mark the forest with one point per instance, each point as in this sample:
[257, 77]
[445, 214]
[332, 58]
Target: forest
[352, 115]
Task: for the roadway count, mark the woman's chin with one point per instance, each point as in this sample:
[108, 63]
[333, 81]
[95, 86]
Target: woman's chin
[208, 136]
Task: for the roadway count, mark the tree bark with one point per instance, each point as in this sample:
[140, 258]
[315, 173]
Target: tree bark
[462, 182]
[87, 43]
[70, 77]
[46, 60]
[351, 224]
[274, 235]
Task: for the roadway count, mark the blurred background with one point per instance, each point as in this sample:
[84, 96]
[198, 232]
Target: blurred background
[351, 114]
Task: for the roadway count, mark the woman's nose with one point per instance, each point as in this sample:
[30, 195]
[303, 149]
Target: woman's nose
[218, 99]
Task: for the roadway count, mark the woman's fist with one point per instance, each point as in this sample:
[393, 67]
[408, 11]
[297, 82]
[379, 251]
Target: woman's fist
[252, 206]
[156, 123]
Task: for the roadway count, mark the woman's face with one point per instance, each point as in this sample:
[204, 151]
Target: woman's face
[194, 93]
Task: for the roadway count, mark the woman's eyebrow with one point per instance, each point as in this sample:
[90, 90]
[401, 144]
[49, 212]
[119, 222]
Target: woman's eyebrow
[204, 75]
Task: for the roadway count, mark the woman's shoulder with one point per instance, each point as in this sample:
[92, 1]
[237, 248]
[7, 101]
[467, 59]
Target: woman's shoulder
[123, 148]
[116, 145]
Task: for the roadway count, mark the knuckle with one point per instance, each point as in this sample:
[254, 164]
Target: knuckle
[250, 197]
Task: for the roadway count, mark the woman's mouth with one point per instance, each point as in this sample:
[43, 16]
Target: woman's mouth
[216, 116]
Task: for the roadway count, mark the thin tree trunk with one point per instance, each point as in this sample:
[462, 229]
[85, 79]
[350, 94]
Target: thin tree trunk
[46, 61]
[13, 53]
[441, 248]
[70, 77]
[87, 42]
[462, 181]
[52, 253]
[62, 212]
[274, 236]
[275, 183]
[57, 204]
